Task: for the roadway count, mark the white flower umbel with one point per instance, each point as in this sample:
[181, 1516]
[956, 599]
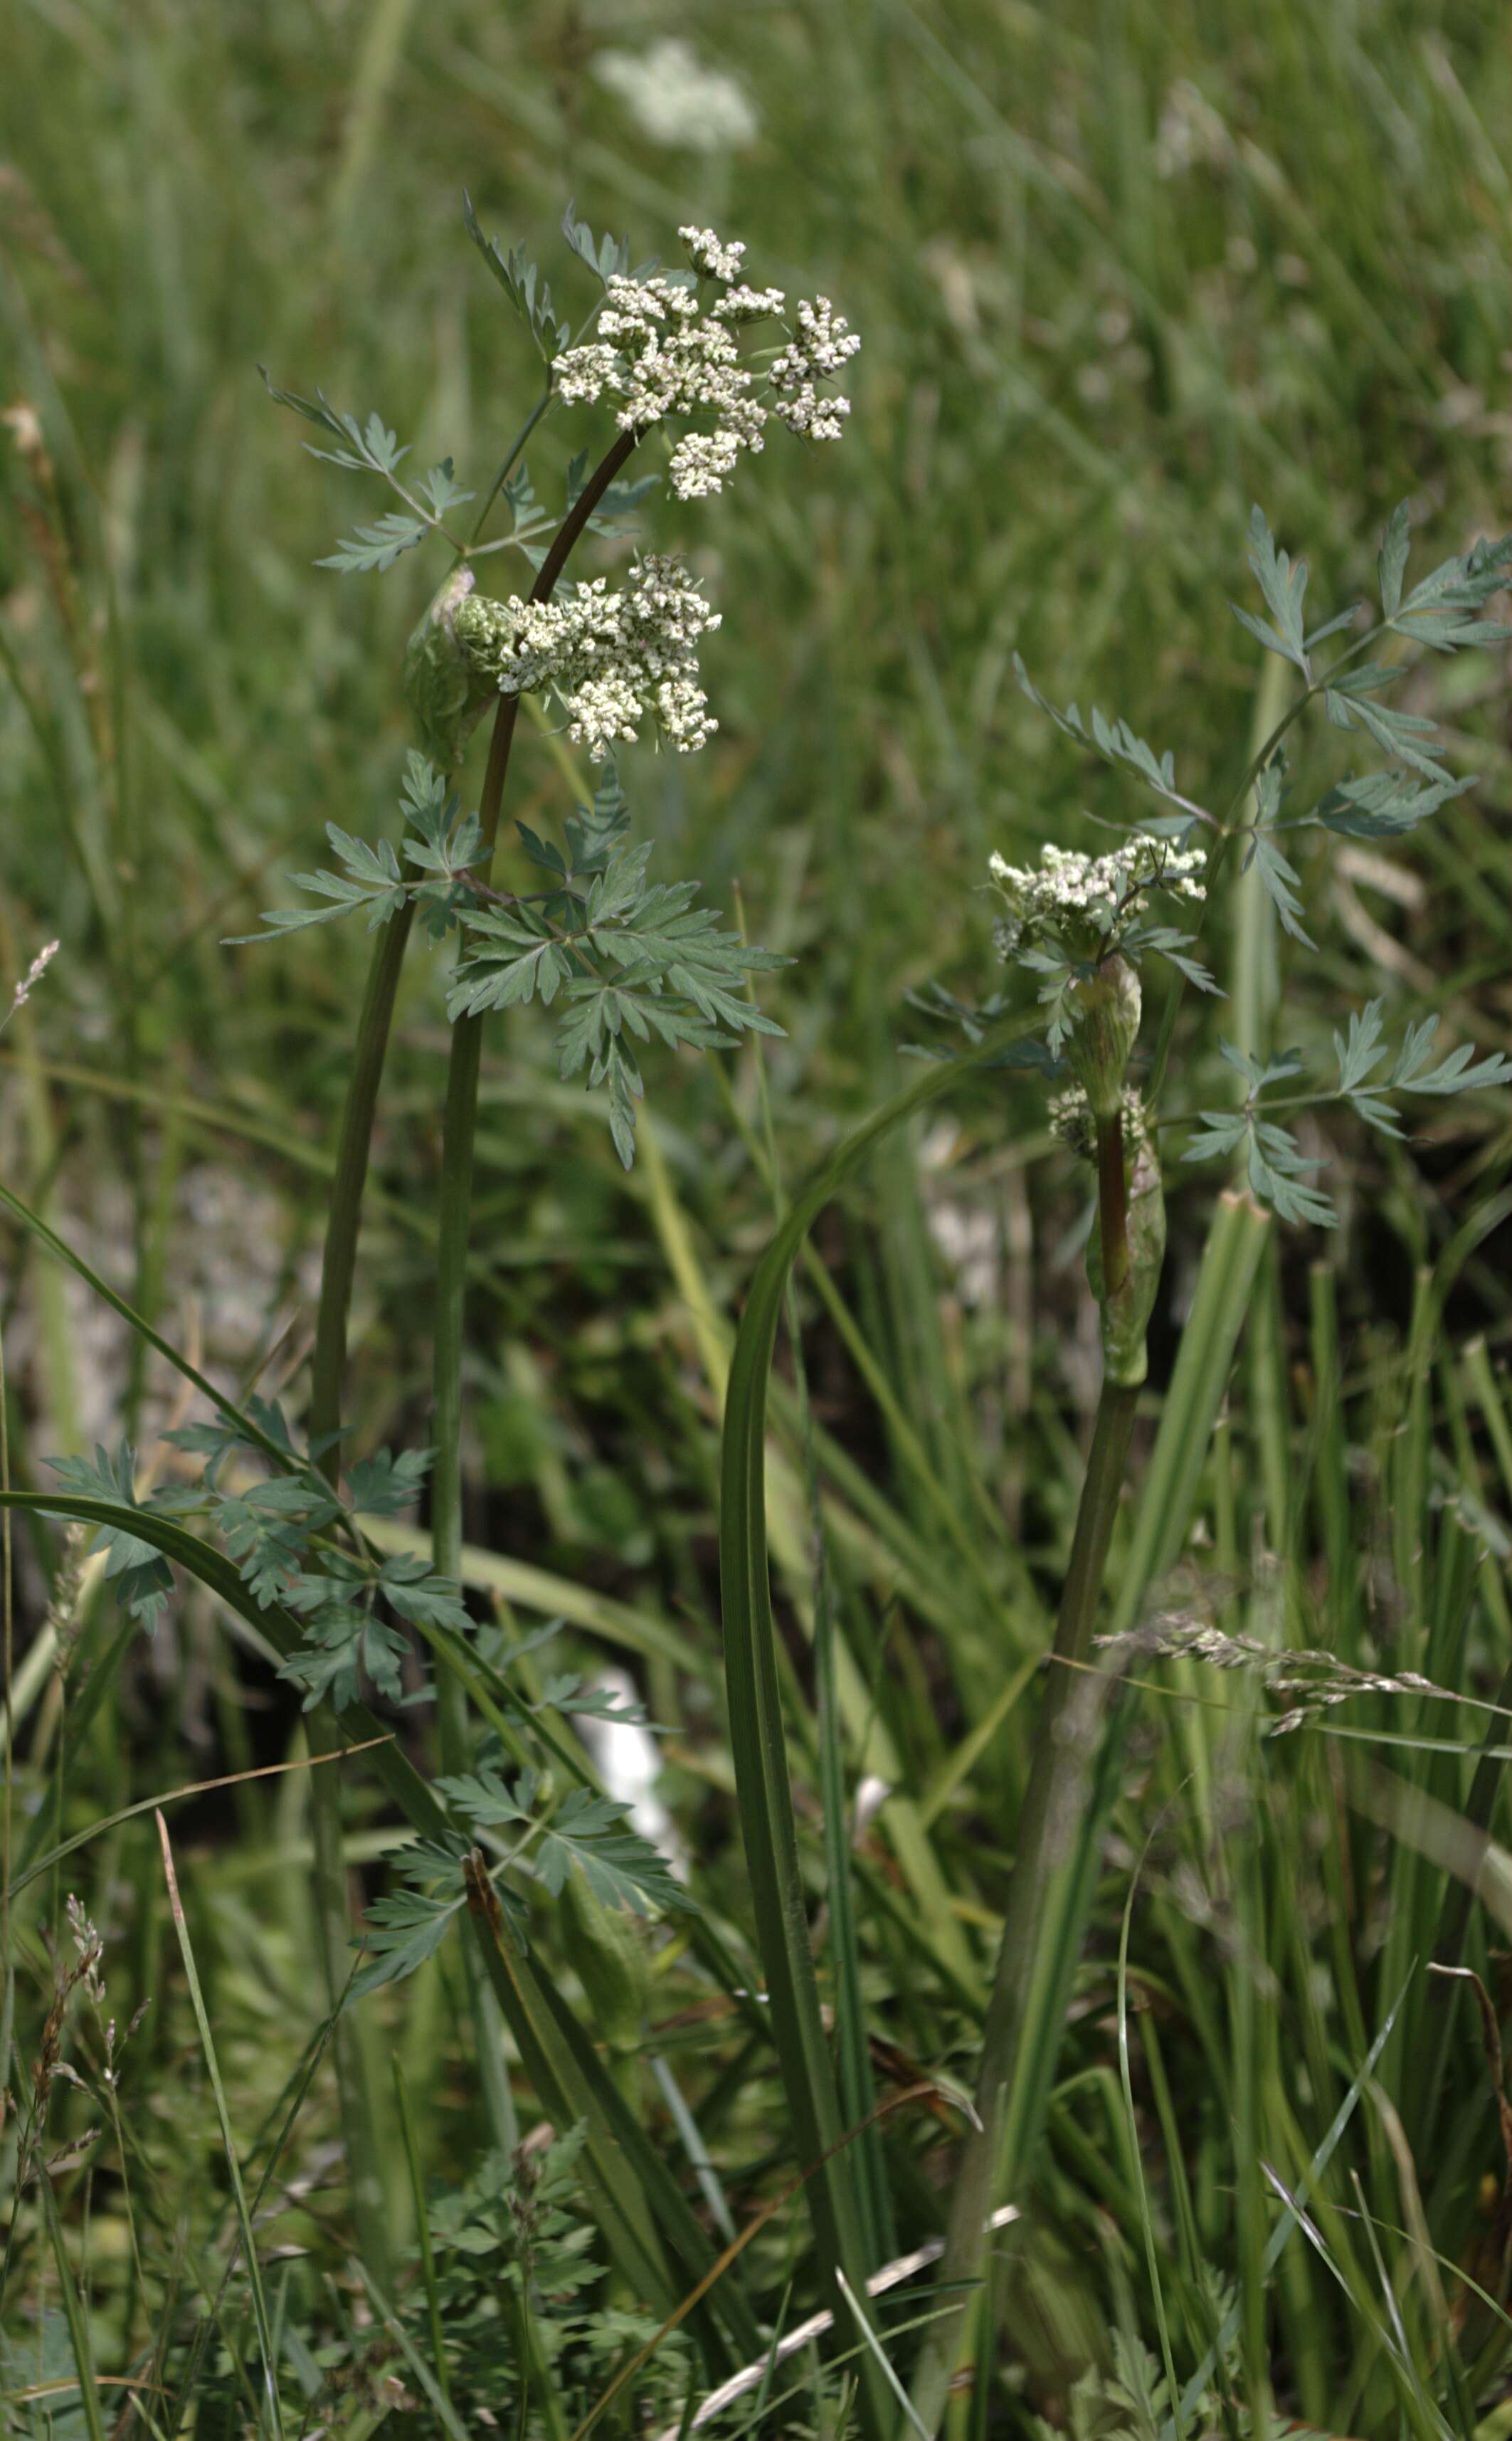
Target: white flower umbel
[614, 658]
[661, 351]
[584, 373]
[712, 255]
[1090, 898]
[817, 352]
[700, 462]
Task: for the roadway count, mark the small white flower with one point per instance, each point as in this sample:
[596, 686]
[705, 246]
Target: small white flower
[747, 305]
[820, 349]
[582, 375]
[712, 255]
[661, 355]
[700, 462]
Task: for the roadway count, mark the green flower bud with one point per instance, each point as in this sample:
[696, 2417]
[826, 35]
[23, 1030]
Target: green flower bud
[1126, 1316]
[1098, 1048]
[608, 1953]
[444, 692]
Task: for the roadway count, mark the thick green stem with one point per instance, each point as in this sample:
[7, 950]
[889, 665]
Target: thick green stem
[1042, 1924]
[459, 1132]
[1041, 1936]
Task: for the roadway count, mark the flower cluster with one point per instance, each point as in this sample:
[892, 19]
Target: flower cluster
[710, 255]
[1090, 896]
[1071, 1122]
[817, 352]
[613, 658]
[662, 354]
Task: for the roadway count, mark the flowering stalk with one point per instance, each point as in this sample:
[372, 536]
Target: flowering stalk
[1077, 922]
[1082, 926]
[355, 2080]
[457, 1140]
[624, 961]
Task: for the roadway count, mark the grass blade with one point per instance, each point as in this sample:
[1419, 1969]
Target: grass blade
[259, 2302]
[73, 2309]
[427, 2259]
[757, 1737]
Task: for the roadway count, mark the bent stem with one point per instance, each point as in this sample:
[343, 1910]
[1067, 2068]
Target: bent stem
[1042, 1925]
[458, 1136]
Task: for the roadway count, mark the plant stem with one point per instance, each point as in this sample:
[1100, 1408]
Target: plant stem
[516, 446]
[1041, 1934]
[458, 1135]
[339, 1264]
[354, 2081]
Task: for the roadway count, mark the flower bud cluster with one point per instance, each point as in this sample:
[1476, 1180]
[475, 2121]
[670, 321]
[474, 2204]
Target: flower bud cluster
[662, 354]
[1072, 1123]
[1093, 896]
[615, 659]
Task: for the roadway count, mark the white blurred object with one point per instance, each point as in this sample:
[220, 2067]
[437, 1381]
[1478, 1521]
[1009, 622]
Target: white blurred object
[626, 1760]
[674, 99]
[870, 1795]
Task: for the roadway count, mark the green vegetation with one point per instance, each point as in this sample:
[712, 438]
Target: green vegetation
[375, 1395]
